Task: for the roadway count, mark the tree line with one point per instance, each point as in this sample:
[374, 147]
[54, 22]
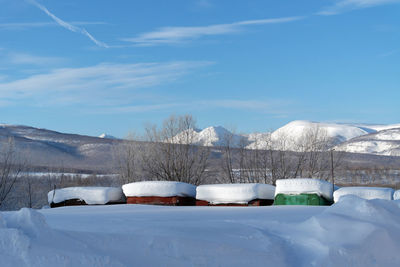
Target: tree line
[171, 152]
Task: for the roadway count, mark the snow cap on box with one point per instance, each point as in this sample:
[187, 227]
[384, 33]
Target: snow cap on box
[234, 193]
[159, 188]
[91, 195]
[304, 186]
[396, 195]
[365, 192]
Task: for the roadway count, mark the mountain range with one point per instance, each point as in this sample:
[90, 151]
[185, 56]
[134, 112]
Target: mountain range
[377, 139]
[45, 148]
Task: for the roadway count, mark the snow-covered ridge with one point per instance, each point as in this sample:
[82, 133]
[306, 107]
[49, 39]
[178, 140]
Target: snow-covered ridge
[385, 143]
[295, 132]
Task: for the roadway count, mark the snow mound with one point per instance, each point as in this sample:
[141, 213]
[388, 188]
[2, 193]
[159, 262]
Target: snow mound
[304, 186]
[352, 232]
[234, 193]
[91, 195]
[159, 188]
[27, 240]
[28, 221]
[364, 192]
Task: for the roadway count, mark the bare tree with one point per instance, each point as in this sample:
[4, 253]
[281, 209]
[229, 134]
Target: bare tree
[10, 168]
[127, 159]
[172, 154]
[228, 157]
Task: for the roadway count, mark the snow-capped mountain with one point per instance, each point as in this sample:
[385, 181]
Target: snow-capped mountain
[338, 132]
[104, 135]
[211, 136]
[381, 139]
[385, 142]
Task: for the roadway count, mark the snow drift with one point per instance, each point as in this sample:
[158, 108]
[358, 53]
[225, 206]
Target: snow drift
[352, 232]
[364, 192]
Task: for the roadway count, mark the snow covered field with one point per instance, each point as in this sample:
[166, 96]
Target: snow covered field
[353, 232]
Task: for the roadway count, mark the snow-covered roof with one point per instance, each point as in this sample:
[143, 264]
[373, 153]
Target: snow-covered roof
[159, 188]
[365, 192]
[234, 193]
[91, 195]
[304, 186]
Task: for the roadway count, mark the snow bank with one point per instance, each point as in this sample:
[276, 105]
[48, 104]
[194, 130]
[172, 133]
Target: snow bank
[352, 232]
[364, 192]
[234, 193]
[304, 186]
[159, 188]
[91, 195]
[27, 240]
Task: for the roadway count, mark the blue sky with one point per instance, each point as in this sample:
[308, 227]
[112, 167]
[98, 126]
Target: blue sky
[94, 66]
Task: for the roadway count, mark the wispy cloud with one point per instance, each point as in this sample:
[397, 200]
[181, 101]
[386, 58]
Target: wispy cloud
[269, 106]
[95, 85]
[348, 5]
[388, 53]
[29, 25]
[28, 59]
[173, 35]
[67, 25]
[273, 107]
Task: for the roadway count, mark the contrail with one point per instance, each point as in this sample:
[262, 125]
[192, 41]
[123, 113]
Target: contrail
[67, 25]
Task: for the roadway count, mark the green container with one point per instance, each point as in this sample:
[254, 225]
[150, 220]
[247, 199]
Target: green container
[301, 199]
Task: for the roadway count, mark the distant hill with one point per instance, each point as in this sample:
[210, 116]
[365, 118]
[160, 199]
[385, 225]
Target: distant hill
[48, 148]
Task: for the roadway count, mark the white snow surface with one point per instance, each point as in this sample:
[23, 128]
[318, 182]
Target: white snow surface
[91, 195]
[352, 232]
[304, 186]
[159, 188]
[234, 193]
[364, 192]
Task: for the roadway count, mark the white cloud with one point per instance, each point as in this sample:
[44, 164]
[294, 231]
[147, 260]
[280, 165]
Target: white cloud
[67, 25]
[274, 107]
[28, 25]
[348, 5]
[103, 84]
[28, 59]
[171, 35]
